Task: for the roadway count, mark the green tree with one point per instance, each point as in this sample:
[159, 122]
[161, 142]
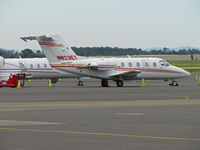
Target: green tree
[27, 53]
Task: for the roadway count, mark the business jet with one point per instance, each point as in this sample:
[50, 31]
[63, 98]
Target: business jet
[32, 68]
[62, 57]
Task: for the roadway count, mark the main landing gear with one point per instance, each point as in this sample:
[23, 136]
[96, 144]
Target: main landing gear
[173, 83]
[104, 83]
[119, 83]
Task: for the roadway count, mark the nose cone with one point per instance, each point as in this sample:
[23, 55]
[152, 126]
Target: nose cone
[181, 72]
[187, 73]
[184, 73]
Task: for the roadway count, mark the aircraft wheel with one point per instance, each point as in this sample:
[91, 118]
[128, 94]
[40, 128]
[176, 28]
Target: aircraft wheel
[174, 83]
[80, 83]
[119, 83]
[104, 83]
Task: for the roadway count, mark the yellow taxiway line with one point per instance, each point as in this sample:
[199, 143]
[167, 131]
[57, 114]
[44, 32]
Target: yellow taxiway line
[101, 134]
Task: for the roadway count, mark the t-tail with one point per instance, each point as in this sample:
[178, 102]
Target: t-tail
[54, 47]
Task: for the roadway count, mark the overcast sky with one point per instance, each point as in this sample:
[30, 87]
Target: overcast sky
[122, 23]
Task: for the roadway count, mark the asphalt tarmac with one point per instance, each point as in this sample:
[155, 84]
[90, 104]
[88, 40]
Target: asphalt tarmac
[91, 117]
[67, 90]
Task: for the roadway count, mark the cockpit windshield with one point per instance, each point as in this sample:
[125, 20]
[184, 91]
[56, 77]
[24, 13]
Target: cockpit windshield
[164, 63]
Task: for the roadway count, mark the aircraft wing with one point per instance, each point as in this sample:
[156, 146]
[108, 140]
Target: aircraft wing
[126, 73]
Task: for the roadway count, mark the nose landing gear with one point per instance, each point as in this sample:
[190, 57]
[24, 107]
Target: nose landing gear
[174, 83]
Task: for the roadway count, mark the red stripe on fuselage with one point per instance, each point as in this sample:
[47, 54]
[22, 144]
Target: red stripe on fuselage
[80, 66]
[141, 69]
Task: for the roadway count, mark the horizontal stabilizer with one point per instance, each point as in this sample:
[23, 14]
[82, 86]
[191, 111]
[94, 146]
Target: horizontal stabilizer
[28, 38]
[43, 37]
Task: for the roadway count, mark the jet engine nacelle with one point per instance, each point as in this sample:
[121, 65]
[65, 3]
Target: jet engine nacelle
[2, 62]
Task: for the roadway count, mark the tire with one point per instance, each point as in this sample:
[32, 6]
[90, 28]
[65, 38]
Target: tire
[174, 83]
[104, 83]
[119, 83]
[80, 83]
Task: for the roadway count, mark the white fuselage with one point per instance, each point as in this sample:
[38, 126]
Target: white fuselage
[34, 68]
[117, 68]
[62, 57]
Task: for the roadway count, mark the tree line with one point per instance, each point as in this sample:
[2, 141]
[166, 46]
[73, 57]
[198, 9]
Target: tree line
[99, 51]
[26, 53]
[116, 51]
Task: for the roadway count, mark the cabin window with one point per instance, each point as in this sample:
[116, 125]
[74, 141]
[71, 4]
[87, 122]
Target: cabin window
[31, 65]
[138, 64]
[45, 65]
[38, 65]
[122, 64]
[146, 64]
[130, 64]
[154, 64]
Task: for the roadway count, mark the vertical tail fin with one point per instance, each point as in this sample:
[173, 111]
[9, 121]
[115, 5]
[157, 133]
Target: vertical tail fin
[54, 47]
